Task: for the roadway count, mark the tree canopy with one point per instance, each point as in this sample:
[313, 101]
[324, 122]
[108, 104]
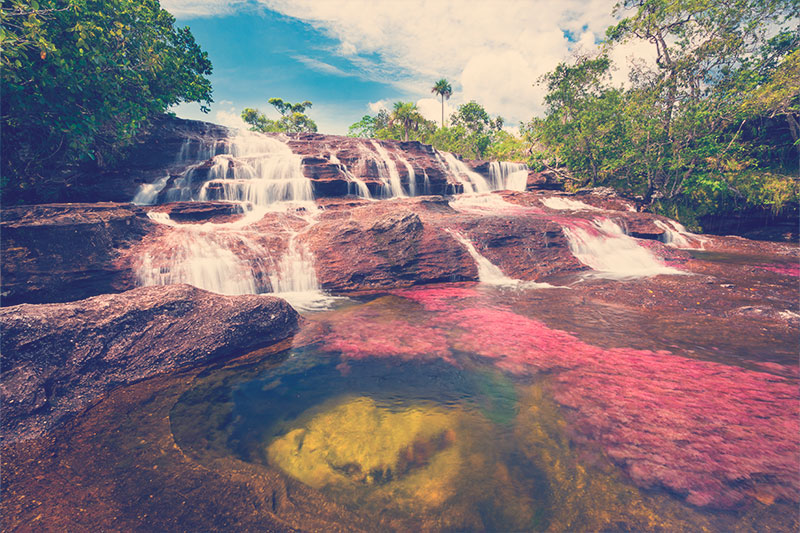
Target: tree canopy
[81, 77]
[293, 118]
[713, 121]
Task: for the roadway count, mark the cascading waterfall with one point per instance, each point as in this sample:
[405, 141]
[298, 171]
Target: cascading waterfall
[489, 273]
[387, 169]
[412, 177]
[260, 173]
[148, 192]
[361, 188]
[211, 260]
[295, 279]
[508, 176]
[258, 170]
[471, 181]
[676, 235]
[604, 246]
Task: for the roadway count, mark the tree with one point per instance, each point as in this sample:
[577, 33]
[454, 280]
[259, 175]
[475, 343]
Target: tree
[80, 78]
[443, 89]
[710, 124]
[708, 55]
[369, 126]
[407, 116]
[293, 118]
[473, 129]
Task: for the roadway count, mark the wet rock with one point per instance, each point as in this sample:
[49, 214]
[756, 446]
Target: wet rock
[63, 252]
[60, 358]
[395, 244]
[217, 212]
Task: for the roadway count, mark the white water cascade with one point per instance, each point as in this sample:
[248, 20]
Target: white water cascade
[677, 236]
[471, 181]
[262, 175]
[489, 273]
[258, 170]
[603, 246]
[567, 204]
[361, 188]
[148, 192]
[294, 278]
[387, 170]
[508, 176]
[223, 261]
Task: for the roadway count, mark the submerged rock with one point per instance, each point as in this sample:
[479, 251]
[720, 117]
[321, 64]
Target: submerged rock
[358, 441]
[59, 358]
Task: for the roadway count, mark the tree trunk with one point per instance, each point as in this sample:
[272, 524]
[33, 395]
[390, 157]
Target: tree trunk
[442, 110]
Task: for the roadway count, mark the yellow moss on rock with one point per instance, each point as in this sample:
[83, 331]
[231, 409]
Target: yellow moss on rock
[358, 441]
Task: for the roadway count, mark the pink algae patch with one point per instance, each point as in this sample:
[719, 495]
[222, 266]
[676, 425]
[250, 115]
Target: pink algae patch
[387, 339]
[439, 298]
[705, 430]
[787, 270]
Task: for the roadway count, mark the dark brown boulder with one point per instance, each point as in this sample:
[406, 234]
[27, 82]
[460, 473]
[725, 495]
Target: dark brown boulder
[64, 252]
[60, 358]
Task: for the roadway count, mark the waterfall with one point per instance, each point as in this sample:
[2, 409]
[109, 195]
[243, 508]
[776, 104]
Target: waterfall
[259, 170]
[361, 188]
[508, 176]
[387, 170]
[412, 177]
[208, 260]
[489, 273]
[469, 179]
[252, 168]
[567, 204]
[295, 279]
[148, 192]
[603, 246]
[676, 235]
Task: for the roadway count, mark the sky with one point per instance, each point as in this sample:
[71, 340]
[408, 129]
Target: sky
[353, 57]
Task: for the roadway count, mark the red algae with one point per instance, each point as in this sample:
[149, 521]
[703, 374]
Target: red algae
[787, 270]
[716, 434]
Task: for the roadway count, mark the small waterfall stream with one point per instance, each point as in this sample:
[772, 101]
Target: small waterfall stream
[604, 246]
[387, 169]
[489, 273]
[508, 176]
[224, 261]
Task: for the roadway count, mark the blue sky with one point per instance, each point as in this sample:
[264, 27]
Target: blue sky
[352, 57]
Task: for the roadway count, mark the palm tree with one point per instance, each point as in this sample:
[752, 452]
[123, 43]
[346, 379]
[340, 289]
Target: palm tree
[407, 115]
[443, 89]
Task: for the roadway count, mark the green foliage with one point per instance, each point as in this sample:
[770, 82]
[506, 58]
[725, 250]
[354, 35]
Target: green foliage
[473, 134]
[407, 116]
[293, 118]
[714, 122]
[81, 77]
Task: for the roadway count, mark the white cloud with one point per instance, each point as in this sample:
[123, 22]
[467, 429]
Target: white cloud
[230, 118]
[431, 109]
[375, 107]
[492, 52]
[321, 66]
[202, 8]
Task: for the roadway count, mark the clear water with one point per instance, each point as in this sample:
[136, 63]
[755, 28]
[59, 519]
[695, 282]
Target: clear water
[465, 407]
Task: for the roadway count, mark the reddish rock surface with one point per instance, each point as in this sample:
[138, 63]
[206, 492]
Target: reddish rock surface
[190, 212]
[62, 252]
[60, 358]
